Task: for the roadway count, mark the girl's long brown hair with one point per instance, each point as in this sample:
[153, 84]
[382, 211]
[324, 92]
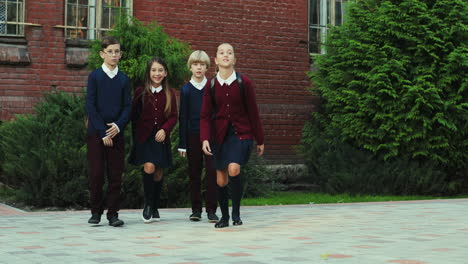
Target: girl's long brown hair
[164, 83]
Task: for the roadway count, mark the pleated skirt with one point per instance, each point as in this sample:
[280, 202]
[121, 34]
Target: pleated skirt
[158, 153]
[232, 150]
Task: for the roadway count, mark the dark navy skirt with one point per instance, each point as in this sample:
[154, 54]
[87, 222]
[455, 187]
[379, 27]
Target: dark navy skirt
[158, 153]
[233, 150]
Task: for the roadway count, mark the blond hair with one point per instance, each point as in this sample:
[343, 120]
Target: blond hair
[198, 56]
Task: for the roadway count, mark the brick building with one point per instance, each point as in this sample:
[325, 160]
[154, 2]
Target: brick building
[42, 49]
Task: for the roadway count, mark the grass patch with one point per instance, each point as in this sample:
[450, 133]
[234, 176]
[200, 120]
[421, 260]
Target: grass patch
[7, 196]
[283, 198]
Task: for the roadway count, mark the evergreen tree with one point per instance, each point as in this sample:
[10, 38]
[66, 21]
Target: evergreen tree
[139, 43]
[394, 81]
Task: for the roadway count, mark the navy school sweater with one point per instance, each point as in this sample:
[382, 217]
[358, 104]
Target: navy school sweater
[189, 114]
[107, 101]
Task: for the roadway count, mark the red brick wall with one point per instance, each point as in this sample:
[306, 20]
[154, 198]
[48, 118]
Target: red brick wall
[269, 37]
[21, 86]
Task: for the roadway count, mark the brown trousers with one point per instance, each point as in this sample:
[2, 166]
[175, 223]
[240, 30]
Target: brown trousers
[103, 161]
[195, 161]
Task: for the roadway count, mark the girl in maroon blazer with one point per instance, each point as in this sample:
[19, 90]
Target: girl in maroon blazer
[154, 114]
[231, 121]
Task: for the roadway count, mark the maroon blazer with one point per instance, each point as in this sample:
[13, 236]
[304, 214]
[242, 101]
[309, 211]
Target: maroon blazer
[230, 108]
[150, 110]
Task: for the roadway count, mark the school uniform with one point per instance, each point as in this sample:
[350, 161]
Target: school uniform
[108, 100]
[191, 97]
[236, 121]
[149, 117]
[231, 123]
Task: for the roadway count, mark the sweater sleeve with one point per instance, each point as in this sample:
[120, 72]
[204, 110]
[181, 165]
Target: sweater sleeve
[91, 101]
[205, 114]
[126, 104]
[172, 119]
[183, 117]
[252, 112]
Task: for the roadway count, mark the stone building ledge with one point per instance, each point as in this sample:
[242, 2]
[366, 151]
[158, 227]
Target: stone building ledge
[15, 54]
[76, 57]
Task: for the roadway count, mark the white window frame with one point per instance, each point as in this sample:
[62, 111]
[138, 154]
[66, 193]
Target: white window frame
[18, 23]
[93, 27]
[326, 14]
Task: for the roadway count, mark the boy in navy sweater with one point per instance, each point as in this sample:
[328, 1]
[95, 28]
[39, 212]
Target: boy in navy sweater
[191, 97]
[108, 106]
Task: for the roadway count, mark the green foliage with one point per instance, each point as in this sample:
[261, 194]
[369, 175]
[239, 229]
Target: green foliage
[338, 167]
[176, 180]
[258, 179]
[44, 155]
[139, 44]
[394, 82]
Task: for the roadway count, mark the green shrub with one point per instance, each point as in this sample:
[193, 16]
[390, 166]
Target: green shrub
[338, 167]
[393, 84]
[258, 179]
[44, 155]
[176, 189]
[139, 43]
[394, 81]
[44, 160]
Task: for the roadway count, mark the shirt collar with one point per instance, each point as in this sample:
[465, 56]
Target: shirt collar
[109, 72]
[199, 85]
[156, 89]
[228, 81]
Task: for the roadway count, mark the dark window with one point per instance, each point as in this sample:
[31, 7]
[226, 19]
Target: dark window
[323, 13]
[11, 17]
[89, 19]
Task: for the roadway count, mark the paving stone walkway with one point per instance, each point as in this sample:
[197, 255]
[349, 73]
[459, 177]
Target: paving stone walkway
[418, 232]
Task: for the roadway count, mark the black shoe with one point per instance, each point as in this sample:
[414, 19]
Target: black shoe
[95, 219]
[237, 222]
[224, 222]
[212, 217]
[195, 216]
[115, 221]
[155, 216]
[146, 216]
